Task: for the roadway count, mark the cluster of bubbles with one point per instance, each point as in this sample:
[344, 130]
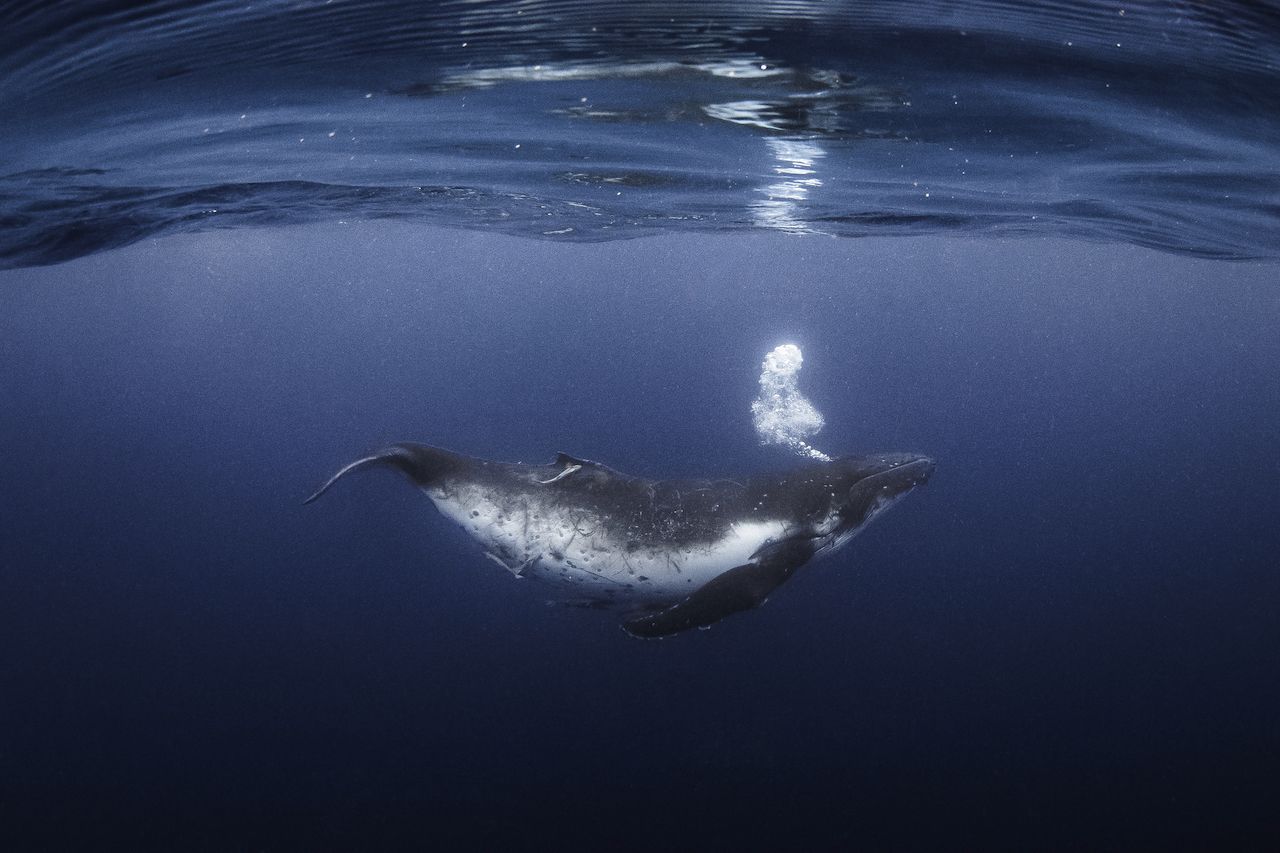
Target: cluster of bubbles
[781, 413]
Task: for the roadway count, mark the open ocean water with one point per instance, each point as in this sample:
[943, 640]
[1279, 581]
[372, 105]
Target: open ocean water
[246, 243]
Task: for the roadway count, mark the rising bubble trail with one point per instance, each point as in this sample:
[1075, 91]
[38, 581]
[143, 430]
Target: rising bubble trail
[782, 414]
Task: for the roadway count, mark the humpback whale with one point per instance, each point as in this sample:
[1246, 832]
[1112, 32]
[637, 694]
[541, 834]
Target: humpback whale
[669, 555]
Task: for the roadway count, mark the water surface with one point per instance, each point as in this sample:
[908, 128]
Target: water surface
[1152, 123]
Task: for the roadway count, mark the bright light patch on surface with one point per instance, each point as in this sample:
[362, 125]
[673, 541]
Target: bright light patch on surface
[781, 413]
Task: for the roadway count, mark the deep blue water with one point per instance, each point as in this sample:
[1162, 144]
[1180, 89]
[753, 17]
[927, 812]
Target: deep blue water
[1047, 262]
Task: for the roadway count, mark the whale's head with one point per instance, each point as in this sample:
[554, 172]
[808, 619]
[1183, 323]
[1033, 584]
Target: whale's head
[878, 481]
[865, 487]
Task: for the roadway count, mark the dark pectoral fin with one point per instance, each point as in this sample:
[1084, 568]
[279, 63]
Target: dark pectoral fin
[740, 588]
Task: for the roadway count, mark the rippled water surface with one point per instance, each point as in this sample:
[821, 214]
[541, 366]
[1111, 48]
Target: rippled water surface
[1150, 122]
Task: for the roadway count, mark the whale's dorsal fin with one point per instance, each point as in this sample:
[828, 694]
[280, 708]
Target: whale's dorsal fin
[567, 465]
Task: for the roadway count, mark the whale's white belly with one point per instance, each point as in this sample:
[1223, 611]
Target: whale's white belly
[588, 557]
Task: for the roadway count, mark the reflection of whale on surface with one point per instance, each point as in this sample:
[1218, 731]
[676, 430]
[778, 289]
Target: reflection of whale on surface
[671, 554]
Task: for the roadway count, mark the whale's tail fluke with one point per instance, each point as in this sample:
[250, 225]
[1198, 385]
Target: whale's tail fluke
[421, 463]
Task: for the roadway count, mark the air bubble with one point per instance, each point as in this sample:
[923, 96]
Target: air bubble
[782, 414]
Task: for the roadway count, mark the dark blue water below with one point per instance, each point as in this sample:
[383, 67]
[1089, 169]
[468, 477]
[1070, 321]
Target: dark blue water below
[244, 244]
[1068, 637]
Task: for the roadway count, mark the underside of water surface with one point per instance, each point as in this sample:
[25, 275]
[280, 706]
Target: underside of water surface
[1151, 123]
